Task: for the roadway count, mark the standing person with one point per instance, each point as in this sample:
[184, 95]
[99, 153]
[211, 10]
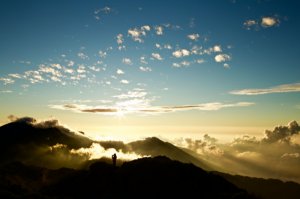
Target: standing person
[114, 159]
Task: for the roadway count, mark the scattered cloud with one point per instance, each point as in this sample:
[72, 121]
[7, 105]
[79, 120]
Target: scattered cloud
[120, 39]
[264, 22]
[6, 91]
[222, 58]
[217, 48]
[193, 37]
[83, 56]
[285, 88]
[156, 56]
[15, 75]
[267, 22]
[137, 33]
[7, 80]
[124, 81]
[120, 72]
[145, 69]
[159, 30]
[142, 105]
[102, 54]
[248, 24]
[127, 61]
[252, 156]
[181, 53]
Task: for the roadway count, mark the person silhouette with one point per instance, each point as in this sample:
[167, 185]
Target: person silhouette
[114, 159]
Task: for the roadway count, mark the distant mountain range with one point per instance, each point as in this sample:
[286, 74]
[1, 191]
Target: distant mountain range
[32, 157]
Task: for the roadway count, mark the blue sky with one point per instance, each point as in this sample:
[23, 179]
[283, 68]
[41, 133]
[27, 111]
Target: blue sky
[152, 64]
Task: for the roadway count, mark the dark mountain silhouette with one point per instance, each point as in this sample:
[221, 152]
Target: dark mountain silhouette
[265, 188]
[26, 140]
[156, 147]
[157, 177]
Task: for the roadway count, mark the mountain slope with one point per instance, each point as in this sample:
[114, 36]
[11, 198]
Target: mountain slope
[156, 147]
[157, 177]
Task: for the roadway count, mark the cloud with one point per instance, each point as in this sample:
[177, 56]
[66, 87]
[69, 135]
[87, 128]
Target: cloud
[102, 54]
[142, 105]
[181, 64]
[7, 80]
[145, 69]
[127, 61]
[15, 75]
[249, 24]
[137, 33]
[285, 88]
[251, 156]
[83, 56]
[156, 56]
[146, 27]
[267, 22]
[222, 58]
[124, 81]
[226, 65]
[181, 53]
[159, 30]
[193, 37]
[120, 39]
[6, 91]
[282, 133]
[120, 72]
[217, 48]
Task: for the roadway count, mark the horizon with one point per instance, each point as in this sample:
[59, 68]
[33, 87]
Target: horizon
[114, 70]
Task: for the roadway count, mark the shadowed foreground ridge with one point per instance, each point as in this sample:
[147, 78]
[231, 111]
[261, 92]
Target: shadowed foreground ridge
[157, 177]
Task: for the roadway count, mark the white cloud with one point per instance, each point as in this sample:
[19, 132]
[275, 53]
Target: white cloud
[120, 39]
[83, 56]
[269, 22]
[7, 80]
[143, 60]
[94, 68]
[124, 81]
[81, 69]
[68, 70]
[136, 34]
[249, 23]
[127, 61]
[102, 54]
[158, 46]
[135, 102]
[168, 46]
[194, 37]
[181, 64]
[156, 56]
[71, 63]
[5, 91]
[159, 30]
[181, 53]
[217, 48]
[222, 58]
[15, 75]
[146, 27]
[285, 88]
[120, 72]
[200, 61]
[145, 69]
[226, 65]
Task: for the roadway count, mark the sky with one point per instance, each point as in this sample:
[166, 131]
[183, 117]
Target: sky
[122, 69]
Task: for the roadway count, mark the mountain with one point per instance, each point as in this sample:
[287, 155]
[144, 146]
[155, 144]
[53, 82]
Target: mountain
[264, 188]
[156, 147]
[157, 177]
[26, 140]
